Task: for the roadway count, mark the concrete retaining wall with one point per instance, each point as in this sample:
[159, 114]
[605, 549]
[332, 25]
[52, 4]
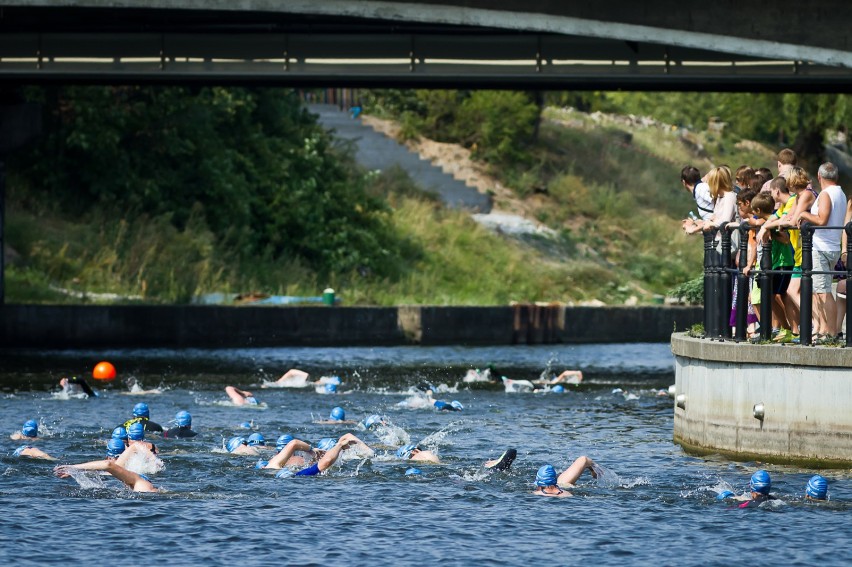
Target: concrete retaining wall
[72, 326]
[805, 391]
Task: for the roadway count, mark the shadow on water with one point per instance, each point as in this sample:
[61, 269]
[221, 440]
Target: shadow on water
[360, 367]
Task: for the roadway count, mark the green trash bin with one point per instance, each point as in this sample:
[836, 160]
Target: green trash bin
[328, 296]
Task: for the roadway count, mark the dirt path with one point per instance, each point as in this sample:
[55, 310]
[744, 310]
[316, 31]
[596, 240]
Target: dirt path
[456, 161]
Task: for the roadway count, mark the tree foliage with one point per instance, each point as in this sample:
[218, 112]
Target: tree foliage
[497, 125]
[265, 177]
[780, 119]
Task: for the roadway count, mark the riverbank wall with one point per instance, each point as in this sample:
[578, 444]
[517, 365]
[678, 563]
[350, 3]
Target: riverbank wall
[775, 403]
[78, 326]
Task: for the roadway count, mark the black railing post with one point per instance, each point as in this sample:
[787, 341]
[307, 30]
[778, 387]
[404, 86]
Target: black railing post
[742, 285]
[848, 230]
[725, 289]
[765, 280]
[807, 286]
[710, 288]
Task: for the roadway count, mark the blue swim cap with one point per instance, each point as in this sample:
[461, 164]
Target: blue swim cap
[246, 425]
[119, 433]
[558, 389]
[260, 464]
[235, 442]
[338, 414]
[404, 452]
[30, 428]
[413, 471]
[374, 419]
[817, 487]
[546, 476]
[325, 444]
[283, 440]
[141, 410]
[724, 494]
[457, 404]
[183, 419]
[760, 482]
[333, 380]
[136, 431]
[256, 439]
[440, 405]
[115, 447]
[331, 388]
[251, 400]
[284, 473]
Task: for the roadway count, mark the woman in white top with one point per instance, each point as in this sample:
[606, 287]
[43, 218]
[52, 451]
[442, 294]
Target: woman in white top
[724, 202]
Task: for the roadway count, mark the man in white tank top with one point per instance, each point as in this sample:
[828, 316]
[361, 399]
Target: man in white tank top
[828, 210]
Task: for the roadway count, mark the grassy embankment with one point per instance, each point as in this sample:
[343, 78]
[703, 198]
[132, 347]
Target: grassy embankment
[614, 200]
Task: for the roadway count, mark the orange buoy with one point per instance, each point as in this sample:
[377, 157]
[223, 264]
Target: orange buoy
[104, 371]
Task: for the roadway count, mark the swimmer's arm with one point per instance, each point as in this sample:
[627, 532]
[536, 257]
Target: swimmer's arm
[133, 481]
[36, 454]
[284, 455]
[568, 374]
[293, 373]
[332, 454]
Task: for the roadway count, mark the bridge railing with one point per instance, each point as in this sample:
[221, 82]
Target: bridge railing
[720, 273]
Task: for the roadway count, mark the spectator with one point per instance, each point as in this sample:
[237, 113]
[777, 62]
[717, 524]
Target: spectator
[786, 159]
[782, 259]
[690, 178]
[785, 203]
[743, 177]
[829, 210]
[724, 202]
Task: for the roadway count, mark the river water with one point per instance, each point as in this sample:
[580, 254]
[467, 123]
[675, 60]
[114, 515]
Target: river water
[654, 505]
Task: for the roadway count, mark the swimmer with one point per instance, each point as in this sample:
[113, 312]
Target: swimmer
[548, 484]
[136, 436]
[120, 433]
[136, 482]
[817, 488]
[77, 386]
[373, 421]
[32, 452]
[240, 397]
[323, 456]
[441, 405]
[142, 414]
[293, 378]
[572, 377]
[759, 486]
[337, 417]
[503, 462]
[282, 441]
[183, 427]
[28, 432]
[240, 446]
[256, 440]
[415, 453]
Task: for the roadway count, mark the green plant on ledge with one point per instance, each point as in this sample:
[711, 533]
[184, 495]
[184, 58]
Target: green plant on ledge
[696, 331]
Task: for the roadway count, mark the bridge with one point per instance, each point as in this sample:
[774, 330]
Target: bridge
[533, 44]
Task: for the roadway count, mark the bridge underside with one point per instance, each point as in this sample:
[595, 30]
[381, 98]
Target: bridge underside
[136, 45]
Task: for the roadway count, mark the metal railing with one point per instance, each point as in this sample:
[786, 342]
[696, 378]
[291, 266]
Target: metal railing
[718, 284]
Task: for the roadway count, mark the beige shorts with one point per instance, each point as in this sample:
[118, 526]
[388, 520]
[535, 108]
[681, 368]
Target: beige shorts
[824, 262]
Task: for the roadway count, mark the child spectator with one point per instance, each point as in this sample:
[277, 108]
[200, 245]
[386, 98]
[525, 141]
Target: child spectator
[763, 205]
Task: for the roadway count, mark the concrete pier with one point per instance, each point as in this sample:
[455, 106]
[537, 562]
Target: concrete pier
[776, 403]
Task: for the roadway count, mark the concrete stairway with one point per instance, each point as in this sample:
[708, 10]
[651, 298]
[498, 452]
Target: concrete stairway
[377, 151]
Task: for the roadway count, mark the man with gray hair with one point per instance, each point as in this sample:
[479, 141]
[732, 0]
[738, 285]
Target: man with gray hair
[828, 210]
